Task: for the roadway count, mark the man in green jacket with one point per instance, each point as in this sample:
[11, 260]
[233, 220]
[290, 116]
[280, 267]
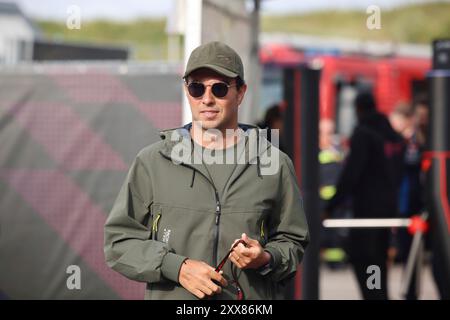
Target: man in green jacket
[192, 196]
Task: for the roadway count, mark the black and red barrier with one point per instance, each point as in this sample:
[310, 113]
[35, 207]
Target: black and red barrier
[301, 94]
[437, 163]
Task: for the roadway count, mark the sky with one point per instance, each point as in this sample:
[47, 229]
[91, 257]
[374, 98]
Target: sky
[132, 9]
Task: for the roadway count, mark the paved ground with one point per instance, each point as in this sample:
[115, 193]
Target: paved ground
[341, 284]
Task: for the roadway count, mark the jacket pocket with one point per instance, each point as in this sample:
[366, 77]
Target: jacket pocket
[187, 231]
[252, 222]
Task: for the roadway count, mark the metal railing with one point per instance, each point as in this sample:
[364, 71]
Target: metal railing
[415, 256]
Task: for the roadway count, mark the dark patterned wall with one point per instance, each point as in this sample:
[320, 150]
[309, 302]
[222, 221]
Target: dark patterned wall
[67, 138]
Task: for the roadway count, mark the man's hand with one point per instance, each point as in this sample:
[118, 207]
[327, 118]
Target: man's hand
[251, 256]
[196, 277]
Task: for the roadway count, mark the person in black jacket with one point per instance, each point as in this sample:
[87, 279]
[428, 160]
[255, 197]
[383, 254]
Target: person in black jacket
[371, 177]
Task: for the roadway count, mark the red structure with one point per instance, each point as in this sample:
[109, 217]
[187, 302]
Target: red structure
[392, 79]
[311, 95]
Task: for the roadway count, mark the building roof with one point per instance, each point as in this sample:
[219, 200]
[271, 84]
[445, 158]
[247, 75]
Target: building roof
[10, 8]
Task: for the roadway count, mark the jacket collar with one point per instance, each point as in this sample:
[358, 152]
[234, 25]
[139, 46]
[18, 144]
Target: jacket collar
[181, 135]
[178, 147]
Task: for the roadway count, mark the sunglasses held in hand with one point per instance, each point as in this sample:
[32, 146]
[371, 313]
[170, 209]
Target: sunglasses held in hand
[240, 293]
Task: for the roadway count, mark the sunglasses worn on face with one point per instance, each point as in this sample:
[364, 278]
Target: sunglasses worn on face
[239, 292]
[219, 89]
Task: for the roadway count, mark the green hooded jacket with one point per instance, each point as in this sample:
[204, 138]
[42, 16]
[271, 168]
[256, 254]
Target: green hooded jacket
[168, 210]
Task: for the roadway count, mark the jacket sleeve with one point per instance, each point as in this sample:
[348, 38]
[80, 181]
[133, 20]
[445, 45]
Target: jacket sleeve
[128, 248]
[288, 229]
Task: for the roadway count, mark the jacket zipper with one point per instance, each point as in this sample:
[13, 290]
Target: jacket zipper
[217, 212]
[217, 219]
[216, 234]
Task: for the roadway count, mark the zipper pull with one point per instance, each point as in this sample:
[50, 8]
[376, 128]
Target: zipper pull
[217, 212]
[217, 208]
[217, 203]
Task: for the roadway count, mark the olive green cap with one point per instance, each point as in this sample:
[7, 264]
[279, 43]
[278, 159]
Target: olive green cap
[216, 56]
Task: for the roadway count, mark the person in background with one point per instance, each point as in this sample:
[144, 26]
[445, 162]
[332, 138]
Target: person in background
[370, 176]
[407, 120]
[401, 119]
[273, 119]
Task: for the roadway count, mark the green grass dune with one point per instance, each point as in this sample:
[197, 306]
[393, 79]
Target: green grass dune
[416, 23]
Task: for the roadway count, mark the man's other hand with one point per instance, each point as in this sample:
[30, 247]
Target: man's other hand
[197, 277]
[251, 256]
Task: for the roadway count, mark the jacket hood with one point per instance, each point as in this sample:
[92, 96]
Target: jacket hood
[178, 140]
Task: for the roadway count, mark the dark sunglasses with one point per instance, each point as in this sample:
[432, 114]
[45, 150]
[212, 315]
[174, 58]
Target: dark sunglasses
[219, 89]
[240, 292]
